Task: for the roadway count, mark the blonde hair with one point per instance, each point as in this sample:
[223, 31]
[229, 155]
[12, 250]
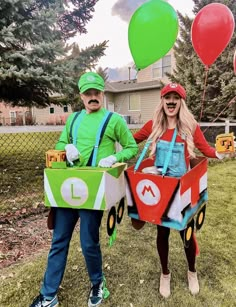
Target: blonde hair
[186, 125]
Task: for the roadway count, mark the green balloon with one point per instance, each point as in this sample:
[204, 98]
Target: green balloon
[152, 32]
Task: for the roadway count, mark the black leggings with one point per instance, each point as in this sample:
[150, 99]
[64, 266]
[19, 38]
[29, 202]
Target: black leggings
[163, 249]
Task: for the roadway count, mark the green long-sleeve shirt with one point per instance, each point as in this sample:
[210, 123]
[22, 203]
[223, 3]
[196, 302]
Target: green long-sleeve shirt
[116, 131]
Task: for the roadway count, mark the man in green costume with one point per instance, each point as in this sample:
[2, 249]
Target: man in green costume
[78, 139]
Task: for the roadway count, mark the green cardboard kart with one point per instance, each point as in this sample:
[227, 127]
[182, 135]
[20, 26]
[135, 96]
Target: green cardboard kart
[92, 188]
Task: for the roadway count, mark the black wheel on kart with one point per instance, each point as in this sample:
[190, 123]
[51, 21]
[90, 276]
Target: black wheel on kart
[200, 217]
[120, 210]
[111, 221]
[188, 233]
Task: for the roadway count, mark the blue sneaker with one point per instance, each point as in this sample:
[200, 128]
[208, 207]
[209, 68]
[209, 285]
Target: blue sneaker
[42, 301]
[96, 295]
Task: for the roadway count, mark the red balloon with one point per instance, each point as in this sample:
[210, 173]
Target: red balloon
[234, 62]
[212, 30]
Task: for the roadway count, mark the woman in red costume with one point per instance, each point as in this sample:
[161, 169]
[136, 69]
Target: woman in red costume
[173, 122]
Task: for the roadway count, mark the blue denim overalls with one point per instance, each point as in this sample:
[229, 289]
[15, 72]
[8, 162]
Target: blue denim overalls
[176, 166]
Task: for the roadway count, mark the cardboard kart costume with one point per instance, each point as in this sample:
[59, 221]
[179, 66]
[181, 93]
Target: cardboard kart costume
[166, 191]
[86, 186]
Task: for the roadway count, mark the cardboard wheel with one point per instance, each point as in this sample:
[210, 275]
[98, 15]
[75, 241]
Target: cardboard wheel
[200, 217]
[188, 233]
[120, 210]
[111, 221]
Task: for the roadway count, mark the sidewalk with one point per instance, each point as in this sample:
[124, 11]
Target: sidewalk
[27, 129]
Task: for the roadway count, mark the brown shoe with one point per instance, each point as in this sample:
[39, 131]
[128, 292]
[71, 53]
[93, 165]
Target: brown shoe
[165, 285]
[137, 224]
[193, 284]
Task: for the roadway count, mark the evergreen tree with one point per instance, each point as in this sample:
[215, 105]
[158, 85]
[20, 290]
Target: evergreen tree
[74, 64]
[35, 62]
[103, 72]
[190, 71]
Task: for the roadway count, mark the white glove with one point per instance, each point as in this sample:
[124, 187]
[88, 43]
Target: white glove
[72, 153]
[107, 162]
[222, 155]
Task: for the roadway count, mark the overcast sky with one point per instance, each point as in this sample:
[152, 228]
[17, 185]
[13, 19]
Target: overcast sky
[110, 22]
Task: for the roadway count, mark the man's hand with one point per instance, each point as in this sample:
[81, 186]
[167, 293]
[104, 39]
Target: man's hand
[72, 153]
[107, 162]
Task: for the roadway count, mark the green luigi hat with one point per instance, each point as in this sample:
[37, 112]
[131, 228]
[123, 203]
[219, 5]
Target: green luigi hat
[91, 80]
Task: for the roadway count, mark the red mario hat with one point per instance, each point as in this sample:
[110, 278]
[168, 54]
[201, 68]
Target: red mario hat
[174, 87]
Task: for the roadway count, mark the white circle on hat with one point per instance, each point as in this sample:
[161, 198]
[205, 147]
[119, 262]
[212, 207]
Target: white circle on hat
[91, 78]
[173, 85]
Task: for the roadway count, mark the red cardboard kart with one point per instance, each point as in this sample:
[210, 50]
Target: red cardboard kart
[168, 201]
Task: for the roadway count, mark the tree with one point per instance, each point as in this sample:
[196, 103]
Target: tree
[103, 72]
[35, 61]
[221, 82]
[74, 64]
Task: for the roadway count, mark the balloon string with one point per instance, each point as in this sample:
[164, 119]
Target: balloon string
[204, 91]
[231, 102]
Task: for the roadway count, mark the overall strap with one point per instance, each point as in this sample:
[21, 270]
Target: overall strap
[142, 155]
[72, 135]
[100, 133]
[169, 153]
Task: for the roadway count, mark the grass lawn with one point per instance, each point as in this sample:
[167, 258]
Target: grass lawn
[132, 266]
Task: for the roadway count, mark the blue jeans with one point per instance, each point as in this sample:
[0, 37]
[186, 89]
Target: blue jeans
[65, 221]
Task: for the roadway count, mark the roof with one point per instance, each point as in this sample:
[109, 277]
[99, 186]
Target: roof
[130, 85]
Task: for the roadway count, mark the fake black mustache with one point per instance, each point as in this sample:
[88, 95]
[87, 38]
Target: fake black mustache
[171, 105]
[93, 100]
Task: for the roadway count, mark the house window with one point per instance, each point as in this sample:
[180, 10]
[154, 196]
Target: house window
[134, 102]
[65, 109]
[160, 68]
[13, 117]
[51, 110]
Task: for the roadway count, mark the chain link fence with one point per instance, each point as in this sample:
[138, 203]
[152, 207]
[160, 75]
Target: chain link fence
[22, 162]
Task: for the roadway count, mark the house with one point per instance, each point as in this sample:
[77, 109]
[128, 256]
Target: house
[14, 116]
[51, 115]
[19, 116]
[136, 99]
